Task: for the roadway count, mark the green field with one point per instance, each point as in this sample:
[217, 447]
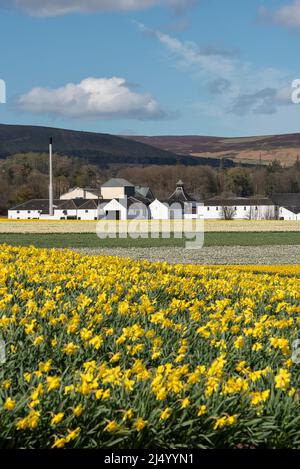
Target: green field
[89, 240]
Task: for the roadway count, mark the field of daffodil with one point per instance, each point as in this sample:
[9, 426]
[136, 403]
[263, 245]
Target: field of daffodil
[115, 353]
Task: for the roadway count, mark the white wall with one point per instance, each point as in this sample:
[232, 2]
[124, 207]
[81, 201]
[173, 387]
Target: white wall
[242, 212]
[23, 215]
[115, 206]
[158, 210]
[195, 216]
[287, 214]
[87, 214]
[59, 213]
[113, 193]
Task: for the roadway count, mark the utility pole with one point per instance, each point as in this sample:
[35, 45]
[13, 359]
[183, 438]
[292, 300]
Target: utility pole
[51, 211]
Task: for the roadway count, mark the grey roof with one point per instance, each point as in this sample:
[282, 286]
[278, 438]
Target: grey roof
[237, 201]
[287, 200]
[138, 199]
[41, 205]
[68, 204]
[182, 203]
[89, 204]
[144, 192]
[290, 201]
[79, 202]
[295, 210]
[180, 195]
[117, 182]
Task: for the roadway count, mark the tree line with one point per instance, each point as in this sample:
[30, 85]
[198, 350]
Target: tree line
[25, 176]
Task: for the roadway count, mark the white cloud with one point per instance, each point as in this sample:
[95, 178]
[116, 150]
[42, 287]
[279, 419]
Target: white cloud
[213, 66]
[103, 98]
[210, 59]
[63, 7]
[289, 15]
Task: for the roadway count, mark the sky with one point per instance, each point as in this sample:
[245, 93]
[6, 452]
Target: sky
[151, 67]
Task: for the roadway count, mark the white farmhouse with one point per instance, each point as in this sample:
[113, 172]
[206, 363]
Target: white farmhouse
[118, 199]
[159, 210]
[288, 206]
[239, 208]
[179, 205]
[290, 213]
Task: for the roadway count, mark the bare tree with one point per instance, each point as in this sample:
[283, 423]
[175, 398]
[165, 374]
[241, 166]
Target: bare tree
[227, 213]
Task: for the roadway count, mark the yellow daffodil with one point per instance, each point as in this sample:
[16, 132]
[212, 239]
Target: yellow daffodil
[139, 424]
[57, 418]
[9, 404]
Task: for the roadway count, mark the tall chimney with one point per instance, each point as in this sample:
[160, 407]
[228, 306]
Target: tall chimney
[51, 211]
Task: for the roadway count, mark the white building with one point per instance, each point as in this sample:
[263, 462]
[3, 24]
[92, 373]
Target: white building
[120, 200]
[179, 205]
[159, 210]
[117, 188]
[289, 206]
[239, 208]
[88, 210]
[292, 213]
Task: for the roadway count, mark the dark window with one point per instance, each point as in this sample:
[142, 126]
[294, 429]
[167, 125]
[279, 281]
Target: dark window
[217, 208]
[256, 208]
[208, 209]
[86, 211]
[245, 208]
[18, 211]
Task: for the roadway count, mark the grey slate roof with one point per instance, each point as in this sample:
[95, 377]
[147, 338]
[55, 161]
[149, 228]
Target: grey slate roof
[90, 204]
[42, 205]
[144, 192]
[117, 182]
[71, 204]
[295, 210]
[138, 199]
[180, 195]
[286, 200]
[290, 201]
[36, 204]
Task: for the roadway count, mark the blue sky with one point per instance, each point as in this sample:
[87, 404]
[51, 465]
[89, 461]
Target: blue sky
[206, 67]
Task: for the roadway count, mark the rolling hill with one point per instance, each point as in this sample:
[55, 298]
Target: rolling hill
[96, 148]
[106, 150]
[251, 150]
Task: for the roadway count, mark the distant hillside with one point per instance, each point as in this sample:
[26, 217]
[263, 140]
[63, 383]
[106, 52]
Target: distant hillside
[285, 148]
[95, 148]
